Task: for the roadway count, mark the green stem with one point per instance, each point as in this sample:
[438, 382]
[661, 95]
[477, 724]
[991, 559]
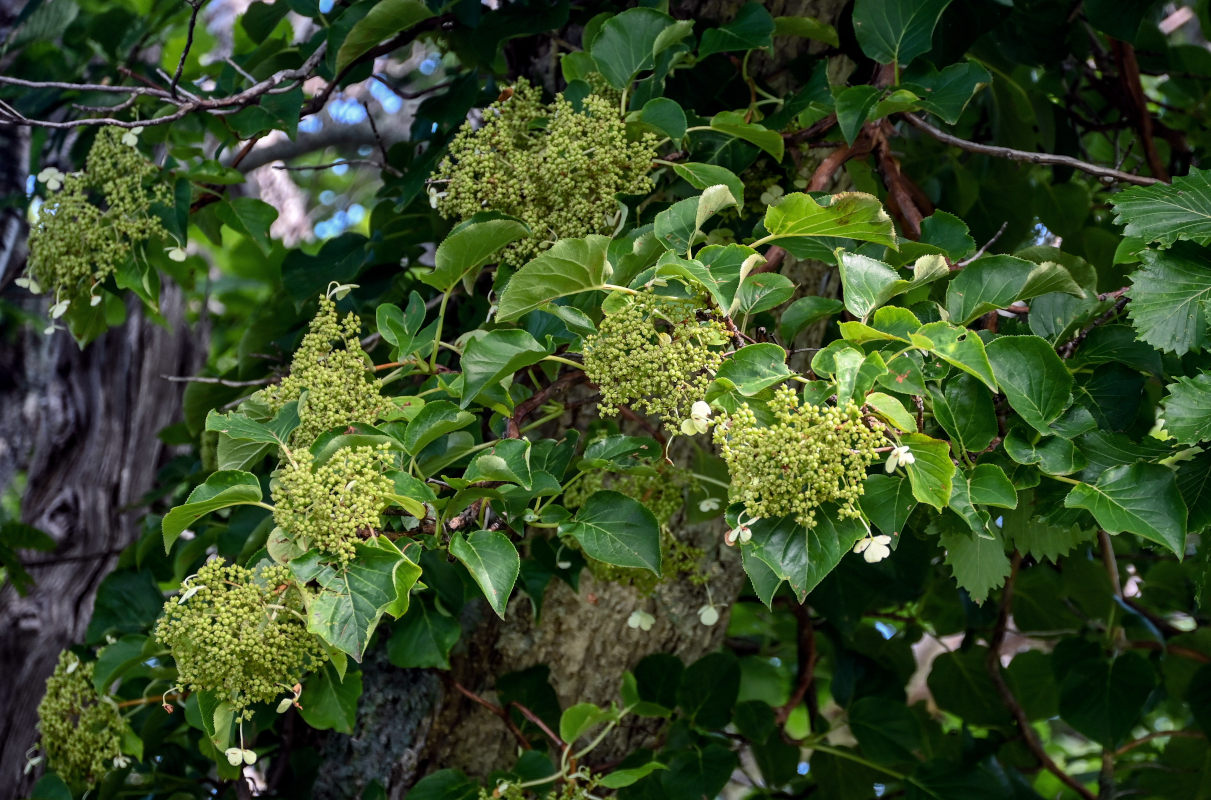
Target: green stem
[609, 287]
[562, 360]
[857, 759]
[265, 506]
[543, 420]
[437, 334]
[1064, 479]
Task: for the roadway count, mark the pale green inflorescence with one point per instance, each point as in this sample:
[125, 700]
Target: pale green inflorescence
[81, 731]
[76, 244]
[331, 506]
[332, 367]
[810, 455]
[656, 356]
[555, 168]
[239, 633]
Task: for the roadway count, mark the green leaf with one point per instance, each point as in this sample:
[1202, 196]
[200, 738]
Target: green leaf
[386, 19]
[489, 358]
[764, 579]
[804, 556]
[754, 368]
[1171, 298]
[330, 703]
[709, 688]
[571, 266]
[251, 217]
[701, 176]
[751, 29]
[1166, 213]
[613, 528]
[948, 92]
[471, 245]
[222, 489]
[994, 282]
[242, 429]
[960, 683]
[445, 784]
[761, 292]
[887, 501]
[853, 108]
[958, 347]
[492, 561]
[888, 732]
[806, 28]
[979, 564]
[1054, 455]
[853, 215]
[1034, 379]
[506, 460]
[353, 598]
[868, 283]
[619, 453]
[892, 410]
[804, 312]
[1188, 409]
[932, 472]
[1104, 699]
[625, 777]
[965, 410]
[626, 44]
[1137, 498]
[577, 720]
[680, 225]
[434, 421]
[732, 123]
[896, 31]
[990, 486]
[666, 116]
[423, 638]
[399, 328]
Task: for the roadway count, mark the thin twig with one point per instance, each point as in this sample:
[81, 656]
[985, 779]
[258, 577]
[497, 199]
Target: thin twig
[984, 248]
[1127, 748]
[402, 95]
[998, 679]
[214, 105]
[526, 407]
[193, 20]
[342, 162]
[1025, 155]
[216, 381]
[530, 715]
[498, 711]
[805, 670]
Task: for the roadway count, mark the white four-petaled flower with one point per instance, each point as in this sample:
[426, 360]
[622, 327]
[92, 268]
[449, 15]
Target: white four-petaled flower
[641, 620]
[131, 137]
[708, 615]
[874, 548]
[900, 456]
[52, 177]
[700, 419]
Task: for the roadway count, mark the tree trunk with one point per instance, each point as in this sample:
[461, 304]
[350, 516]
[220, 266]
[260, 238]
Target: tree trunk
[82, 425]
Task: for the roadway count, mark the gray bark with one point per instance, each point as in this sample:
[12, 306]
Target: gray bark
[81, 425]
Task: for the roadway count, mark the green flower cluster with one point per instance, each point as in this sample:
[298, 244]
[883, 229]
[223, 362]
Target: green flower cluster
[329, 506]
[339, 389]
[809, 456]
[240, 633]
[655, 355]
[81, 731]
[555, 168]
[75, 244]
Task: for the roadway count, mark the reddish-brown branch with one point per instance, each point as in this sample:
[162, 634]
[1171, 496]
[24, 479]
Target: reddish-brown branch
[560, 744]
[1007, 697]
[805, 670]
[497, 711]
[1129, 72]
[526, 407]
[905, 200]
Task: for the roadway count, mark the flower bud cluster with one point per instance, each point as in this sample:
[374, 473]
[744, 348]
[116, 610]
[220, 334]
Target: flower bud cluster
[81, 731]
[91, 225]
[331, 367]
[330, 506]
[810, 455]
[553, 167]
[240, 633]
[655, 355]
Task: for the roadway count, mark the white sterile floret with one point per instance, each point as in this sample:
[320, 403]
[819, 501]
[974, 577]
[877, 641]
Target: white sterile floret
[708, 615]
[176, 253]
[235, 755]
[874, 548]
[700, 419]
[131, 137]
[121, 761]
[52, 177]
[709, 504]
[900, 456]
[641, 620]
